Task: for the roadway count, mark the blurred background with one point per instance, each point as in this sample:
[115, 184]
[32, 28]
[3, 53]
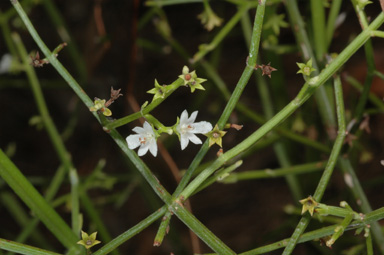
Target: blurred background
[127, 45]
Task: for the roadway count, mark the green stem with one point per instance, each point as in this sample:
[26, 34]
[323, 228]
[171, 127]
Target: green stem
[220, 176]
[52, 131]
[339, 230]
[318, 26]
[22, 187]
[278, 147]
[40, 102]
[319, 192]
[207, 236]
[147, 109]
[279, 172]
[23, 248]
[368, 48]
[75, 205]
[361, 200]
[378, 34]
[333, 13]
[372, 97]
[233, 101]
[319, 233]
[17, 211]
[170, 2]
[197, 227]
[302, 225]
[206, 48]
[52, 59]
[57, 20]
[369, 244]
[94, 217]
[116, 242]
[214, 76]
[363, 98]
[323, 99]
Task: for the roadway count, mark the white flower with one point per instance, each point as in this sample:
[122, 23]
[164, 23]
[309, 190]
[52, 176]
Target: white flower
[145, 138]
[187, 129]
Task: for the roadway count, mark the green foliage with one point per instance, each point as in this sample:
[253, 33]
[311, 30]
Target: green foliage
[320, 126]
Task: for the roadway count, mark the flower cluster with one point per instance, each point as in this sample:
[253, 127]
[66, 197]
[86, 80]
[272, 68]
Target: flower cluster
[186, 128]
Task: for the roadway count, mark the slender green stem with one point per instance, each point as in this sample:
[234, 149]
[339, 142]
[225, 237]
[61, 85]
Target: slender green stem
[379, 74]
[368, 48]
[361, 200]
[206, 48]
[22, 187]
[304, 94]
[147, 109]
[378, 34]
[333, 13]
[320, 233]
[214, 76]
[23, 248]
[369, 244]
[170, 2]
[17, 211]
[372, 97]
[360, 107]
[318, 27]
[323, 98]
[52, 59]
[278, 147]
[7, 34]
[54, 185]
[199, 229]
[302, 225]
[207, 236]
[42, 106]
[233, 101]
[57, 19]
[75, 205]
[339, 230]
[319, 192]
[279, 172]
[220, 175]
[116, 242]
[93, 216]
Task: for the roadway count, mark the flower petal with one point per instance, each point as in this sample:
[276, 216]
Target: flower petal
[193, 117]
[148, 128]
[184, 141]
[193, 138]
[202, 127]
[133, 141]
[138, 130]
[184, 117]
[143, 149]
[153, 148]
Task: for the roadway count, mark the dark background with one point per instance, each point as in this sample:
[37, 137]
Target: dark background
[244, 215]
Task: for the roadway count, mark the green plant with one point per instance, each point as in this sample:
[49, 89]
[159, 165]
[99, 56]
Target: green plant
[320, 80]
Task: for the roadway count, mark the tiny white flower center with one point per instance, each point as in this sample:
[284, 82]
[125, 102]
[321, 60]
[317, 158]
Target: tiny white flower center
[186, 128]
[147, 137]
